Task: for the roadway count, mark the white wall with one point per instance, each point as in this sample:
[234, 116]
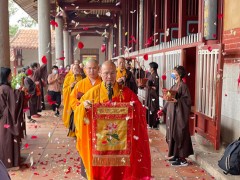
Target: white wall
[230, 122]
[90, 42]
[31, 55]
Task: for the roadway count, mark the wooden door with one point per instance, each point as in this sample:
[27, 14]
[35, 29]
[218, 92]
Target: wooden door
[209, 93]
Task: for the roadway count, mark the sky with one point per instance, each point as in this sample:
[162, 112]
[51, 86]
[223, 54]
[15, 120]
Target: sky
[13, 20]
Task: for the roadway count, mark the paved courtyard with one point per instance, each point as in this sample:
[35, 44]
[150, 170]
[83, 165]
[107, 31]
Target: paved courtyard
[49, 154]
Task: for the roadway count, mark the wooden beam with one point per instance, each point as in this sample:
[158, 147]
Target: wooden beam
[90, 6]
[92, 21]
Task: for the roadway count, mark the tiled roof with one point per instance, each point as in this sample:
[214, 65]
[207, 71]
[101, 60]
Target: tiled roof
[28, 39]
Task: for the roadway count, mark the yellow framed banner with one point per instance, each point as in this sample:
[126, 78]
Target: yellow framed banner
[111, 134]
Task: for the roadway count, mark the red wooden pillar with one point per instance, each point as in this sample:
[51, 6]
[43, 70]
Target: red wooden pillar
[167, 19]
[134, 23]
[156, 22]
[147, 8]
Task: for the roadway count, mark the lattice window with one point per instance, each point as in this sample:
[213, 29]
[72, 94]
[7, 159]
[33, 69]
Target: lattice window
[173, 58]
[206, 81]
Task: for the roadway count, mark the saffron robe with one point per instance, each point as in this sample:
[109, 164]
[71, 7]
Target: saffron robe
[140, 161]
[67, 89]
[78, 91]
[177, 117]
[11, 114]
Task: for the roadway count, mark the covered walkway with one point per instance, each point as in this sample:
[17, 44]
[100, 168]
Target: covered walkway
[50, 154]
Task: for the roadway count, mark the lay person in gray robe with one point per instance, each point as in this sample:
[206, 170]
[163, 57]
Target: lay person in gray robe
[39, 77]
[11, 117]
[177, 116]
[152, 96]
[31, 89]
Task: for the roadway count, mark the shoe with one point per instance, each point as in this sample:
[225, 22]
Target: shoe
[36, 116]
[13, 168]
[31, 121]
[56, 115]
[58, 112]
[180, 162]
[173, 159]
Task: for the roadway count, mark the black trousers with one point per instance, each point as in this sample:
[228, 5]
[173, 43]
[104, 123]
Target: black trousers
[56, 97]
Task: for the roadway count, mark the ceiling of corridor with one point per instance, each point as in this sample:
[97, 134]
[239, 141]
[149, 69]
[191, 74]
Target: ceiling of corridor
[88, 17]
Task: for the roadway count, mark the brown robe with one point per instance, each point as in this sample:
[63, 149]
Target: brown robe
[38, 75]
[177, 116]
[152, 100]
[31, 87]
[11, 113]
[131, 82]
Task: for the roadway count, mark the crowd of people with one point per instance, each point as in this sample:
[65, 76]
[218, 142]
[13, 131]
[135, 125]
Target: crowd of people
[77, 88]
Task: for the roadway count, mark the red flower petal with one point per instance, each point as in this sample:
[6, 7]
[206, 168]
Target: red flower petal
[36, 173]
[85, 28]
[26, 145]
[6, 126]
[164, 77]
[145, 57]
[34, 137]
[44, 60]
[29, 72]
[220, 16]
[214, 35]
[103, 47]
[61, 58]
[80, 45]
[209, 48]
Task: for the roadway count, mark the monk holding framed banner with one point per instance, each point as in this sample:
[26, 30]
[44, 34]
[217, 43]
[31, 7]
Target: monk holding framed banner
[112, 131]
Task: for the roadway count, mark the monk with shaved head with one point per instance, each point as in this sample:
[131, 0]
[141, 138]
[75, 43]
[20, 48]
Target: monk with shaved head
[68, 85]
[109, 92]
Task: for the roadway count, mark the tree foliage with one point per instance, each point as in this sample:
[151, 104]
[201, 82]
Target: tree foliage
[26, 21]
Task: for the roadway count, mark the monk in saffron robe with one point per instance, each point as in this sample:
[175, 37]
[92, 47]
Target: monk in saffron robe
[125, 76]
[84, 85]
[69, 75]
[11, 117]
[140, 161]
[67, 89]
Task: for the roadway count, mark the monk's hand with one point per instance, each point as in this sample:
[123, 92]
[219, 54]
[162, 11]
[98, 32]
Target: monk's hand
[73, 84]
[119, 80]
[87, 104]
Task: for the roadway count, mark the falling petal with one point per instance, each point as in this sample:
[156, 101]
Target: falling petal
[126, 33]
[118, 3]
[31, 161]
[34, 137]
[135, 137]
[6, 126]
[108, 14]
[132, 11]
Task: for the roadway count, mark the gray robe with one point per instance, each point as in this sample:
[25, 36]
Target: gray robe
[31, 87]
[177, 125]
[11, 113]
[152, 100]
[39, 75]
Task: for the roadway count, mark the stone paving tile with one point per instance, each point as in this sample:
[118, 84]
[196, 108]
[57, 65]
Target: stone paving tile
[50, 154]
